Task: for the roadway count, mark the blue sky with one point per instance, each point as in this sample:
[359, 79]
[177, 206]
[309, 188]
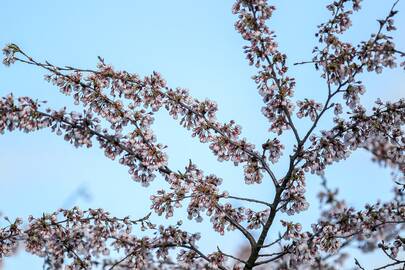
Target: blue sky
[194, 45]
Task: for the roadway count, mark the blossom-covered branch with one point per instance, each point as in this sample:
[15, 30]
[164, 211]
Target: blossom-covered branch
[152, 93]
[118, 110]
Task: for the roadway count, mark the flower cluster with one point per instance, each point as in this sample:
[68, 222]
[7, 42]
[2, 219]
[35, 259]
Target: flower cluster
[9, 54]
[381, 133]
[79, 129]
[308, 108]
[273, 84]
[293, 198]
[274, 147]
[81, 239]
[339, 227]
[342, 61]
[202, 195]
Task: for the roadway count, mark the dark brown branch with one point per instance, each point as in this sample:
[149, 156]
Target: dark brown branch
[358, 264]
[230, 256]
[280, 255]
[389, 265]
[247, 200]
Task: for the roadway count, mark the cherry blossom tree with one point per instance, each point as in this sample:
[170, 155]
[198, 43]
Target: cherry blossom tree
[119, 109]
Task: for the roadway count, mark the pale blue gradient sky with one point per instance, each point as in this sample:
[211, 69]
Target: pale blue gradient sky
[194, 45]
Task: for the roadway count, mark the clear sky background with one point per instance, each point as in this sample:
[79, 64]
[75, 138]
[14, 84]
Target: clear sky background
[194, 45]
